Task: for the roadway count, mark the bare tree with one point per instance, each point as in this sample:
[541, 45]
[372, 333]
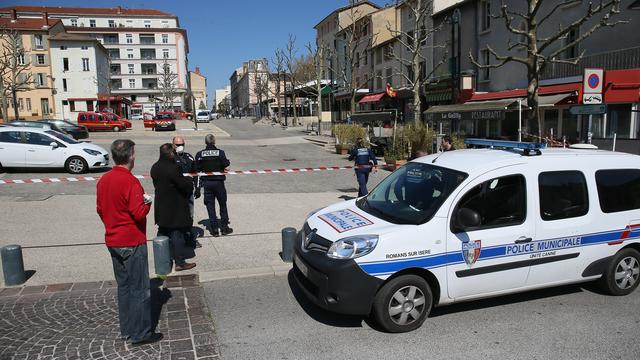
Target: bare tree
[279, 69]
[106, 78]
[353, 42]
[415, 43]
[167, 85]
[14, 74]
[261, 88]
[542, 50]
[290, 56]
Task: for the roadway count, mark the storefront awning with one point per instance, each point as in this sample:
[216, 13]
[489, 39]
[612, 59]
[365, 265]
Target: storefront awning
[494, 105]
[557, 99]
[371, 98]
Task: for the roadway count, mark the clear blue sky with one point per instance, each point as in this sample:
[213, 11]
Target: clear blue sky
[224, 33]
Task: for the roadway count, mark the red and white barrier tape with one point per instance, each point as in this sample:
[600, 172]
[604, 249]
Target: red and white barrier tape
[146, 177]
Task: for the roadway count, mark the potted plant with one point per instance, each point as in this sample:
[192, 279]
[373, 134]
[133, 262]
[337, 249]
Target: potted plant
[346, 136]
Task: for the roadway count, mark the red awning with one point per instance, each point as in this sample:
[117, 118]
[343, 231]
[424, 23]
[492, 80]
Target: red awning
[371, 98]
[622, 86]
[516, 93]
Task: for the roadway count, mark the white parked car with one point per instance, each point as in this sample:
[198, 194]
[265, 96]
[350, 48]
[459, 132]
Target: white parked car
[42, 148]
[475, 223]
[203, 116]
[213, 115]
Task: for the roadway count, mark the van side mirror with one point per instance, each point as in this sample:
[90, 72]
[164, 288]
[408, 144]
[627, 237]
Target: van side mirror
[466, 218]
[54, 144]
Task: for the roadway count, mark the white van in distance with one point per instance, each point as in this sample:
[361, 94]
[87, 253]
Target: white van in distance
[475, 223]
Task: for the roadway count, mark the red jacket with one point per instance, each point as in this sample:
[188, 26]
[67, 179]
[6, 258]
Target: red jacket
[120, 204]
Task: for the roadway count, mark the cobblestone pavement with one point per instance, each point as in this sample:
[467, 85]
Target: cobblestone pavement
[80, 321]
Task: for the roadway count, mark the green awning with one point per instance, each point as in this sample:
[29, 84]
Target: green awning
[326, 90]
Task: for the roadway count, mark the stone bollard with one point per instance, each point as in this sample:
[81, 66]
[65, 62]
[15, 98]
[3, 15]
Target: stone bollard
[162, 255]
[288, 240]
[12, 265]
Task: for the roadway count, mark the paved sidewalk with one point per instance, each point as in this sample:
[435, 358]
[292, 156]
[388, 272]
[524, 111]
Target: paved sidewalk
[80, 321]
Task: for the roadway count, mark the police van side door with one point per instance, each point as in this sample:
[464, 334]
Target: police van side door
[562, 218]
[486, 250]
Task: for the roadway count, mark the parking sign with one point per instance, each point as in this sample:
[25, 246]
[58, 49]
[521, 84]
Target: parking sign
[592, 86]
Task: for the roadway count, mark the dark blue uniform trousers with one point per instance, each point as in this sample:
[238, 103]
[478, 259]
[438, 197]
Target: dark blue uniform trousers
[214, 189]
[363, 176]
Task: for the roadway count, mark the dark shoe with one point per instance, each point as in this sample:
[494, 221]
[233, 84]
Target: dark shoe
[154, 337]
[197, 244]
[185, 266]
[226, 230]
[215, 232]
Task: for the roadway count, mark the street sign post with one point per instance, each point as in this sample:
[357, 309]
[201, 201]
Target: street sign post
[592, 86]
[588, 109]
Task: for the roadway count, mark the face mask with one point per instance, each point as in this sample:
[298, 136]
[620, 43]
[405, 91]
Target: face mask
[180, 149]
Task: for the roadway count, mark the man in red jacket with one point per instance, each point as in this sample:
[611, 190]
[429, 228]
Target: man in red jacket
[123, 207]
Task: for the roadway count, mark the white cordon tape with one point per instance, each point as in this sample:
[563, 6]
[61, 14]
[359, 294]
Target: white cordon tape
[147, 177]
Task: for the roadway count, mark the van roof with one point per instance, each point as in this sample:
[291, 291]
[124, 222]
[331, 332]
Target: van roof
[473, 160]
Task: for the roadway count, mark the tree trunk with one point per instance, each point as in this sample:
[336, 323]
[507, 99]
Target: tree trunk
[532, 100]
[3, 103]
[14, 96]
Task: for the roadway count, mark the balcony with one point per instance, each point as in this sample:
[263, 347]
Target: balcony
[148, 54]
[612, 60]
[147, 40]
[150, 83]
[115, 70]
[149, 69]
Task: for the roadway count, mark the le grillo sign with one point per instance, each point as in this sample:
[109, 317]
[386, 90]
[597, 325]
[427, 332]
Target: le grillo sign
[467, 115]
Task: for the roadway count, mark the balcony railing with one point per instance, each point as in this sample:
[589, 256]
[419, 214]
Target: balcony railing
[147, 41]
[612, 60]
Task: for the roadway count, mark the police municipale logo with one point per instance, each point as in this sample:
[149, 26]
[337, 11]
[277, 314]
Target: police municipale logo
[471, 251]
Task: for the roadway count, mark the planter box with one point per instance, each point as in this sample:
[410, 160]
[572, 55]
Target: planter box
[342, 149]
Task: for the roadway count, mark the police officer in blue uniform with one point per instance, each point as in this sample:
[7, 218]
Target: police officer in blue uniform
[365, 160]
[188, 165]
[212, 159]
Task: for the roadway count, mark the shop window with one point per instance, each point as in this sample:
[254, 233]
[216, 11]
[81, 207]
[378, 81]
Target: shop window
[570, 126]
[618, 121]
[551, 122]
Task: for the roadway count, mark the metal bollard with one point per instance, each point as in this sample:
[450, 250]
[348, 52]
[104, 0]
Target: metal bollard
[288, 240]
[162, 255]
[12, 265]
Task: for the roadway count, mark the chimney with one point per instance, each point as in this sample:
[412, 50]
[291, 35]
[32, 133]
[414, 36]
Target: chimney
[119, 10]
[14, 15]
[198, 70]
[45, 20]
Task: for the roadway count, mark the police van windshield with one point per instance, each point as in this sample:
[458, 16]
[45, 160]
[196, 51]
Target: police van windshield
[411, 194]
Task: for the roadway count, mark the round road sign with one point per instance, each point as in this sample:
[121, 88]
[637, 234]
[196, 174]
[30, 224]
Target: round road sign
[593, 81]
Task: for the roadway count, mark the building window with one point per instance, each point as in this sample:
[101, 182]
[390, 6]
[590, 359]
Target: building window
[85, 64]
[74, 22]
[365, 57]
[38, 41]
[112, 23]
[379, 80]
[20, 104]
[147, 23]
[62, 47]
[571, 52]
[378, 56]
[72, 106]
[28, 104]
[92, 23]
[165, 38]
[485, 15]
[40, 79]
[410, 38]
[65, 64]
[130, 66]
[129, 39]
[357, 60]
[132, 83]
[129, 53]
[165, 53]
[44, 103]
[485, 73]
[40, 59]
[89, 105]
[84, 47]
[388, 52]
[64, 84]
[21, 59]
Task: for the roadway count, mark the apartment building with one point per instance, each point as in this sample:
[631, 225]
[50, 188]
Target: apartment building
[245, 83]
[221, 95]
[198, 89]
[80, 68]
[138, 41]
[35, 100]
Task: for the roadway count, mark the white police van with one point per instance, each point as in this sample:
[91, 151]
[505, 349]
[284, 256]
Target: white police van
[475, 223]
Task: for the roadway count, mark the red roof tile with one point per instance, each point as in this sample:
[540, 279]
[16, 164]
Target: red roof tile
[120, 11]
[26, 24]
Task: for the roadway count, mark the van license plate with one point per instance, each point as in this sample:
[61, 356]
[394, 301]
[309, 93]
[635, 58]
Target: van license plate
[303, 268]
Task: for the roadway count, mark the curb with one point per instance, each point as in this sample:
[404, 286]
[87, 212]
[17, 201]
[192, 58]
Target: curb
[273, 270]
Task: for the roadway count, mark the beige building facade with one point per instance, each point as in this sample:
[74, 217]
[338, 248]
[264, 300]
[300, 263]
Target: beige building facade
[199, 89]
[35, 100]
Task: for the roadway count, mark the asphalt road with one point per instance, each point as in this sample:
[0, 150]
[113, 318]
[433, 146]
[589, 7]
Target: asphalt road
[268, 318]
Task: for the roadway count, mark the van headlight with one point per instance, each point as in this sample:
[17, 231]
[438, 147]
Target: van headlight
[92, 152]
[353, 247]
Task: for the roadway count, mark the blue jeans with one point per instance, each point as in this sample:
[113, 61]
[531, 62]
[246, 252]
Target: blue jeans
[363, 176]
[214, 189]
[131, 269]
[177, 238]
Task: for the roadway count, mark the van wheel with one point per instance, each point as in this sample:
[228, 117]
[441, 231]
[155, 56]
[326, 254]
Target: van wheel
[623, 273]
[116, 128]
[403, 304]
[76, 165]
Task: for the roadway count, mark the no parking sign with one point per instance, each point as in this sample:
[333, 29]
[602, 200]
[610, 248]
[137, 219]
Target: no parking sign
[592, 86]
